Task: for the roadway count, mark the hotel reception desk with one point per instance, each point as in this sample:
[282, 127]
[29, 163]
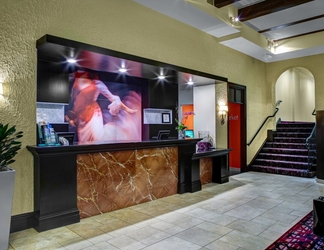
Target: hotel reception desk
[78, 181]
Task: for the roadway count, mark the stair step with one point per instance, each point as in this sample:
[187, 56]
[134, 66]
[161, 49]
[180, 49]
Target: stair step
[287, 154]
[284, 150]
[292, 134]
[283, 157]
[294, 129]
[284, 171]
[285, 145]
[282, 164]
[289, 139]
[295, 124]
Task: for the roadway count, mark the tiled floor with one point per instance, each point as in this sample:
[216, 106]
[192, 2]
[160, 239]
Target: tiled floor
[247, 213]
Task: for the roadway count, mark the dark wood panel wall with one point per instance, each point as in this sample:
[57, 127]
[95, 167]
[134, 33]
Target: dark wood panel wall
[320, 144]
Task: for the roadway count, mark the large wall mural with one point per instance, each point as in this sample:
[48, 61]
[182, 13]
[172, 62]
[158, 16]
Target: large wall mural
[102, 110]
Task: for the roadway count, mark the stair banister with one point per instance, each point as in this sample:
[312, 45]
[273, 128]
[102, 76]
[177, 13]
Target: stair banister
[312, 133]
[309, 137]
[270, 116]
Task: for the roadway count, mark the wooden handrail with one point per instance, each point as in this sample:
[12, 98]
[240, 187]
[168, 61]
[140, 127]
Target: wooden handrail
[270, 116]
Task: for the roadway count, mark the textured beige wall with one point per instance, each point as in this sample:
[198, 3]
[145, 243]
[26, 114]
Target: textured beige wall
[126, 26]
[221, 130]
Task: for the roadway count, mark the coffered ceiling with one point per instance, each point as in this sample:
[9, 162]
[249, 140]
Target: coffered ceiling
[268, 30]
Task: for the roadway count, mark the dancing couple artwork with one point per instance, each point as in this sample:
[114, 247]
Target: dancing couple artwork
[103, 110]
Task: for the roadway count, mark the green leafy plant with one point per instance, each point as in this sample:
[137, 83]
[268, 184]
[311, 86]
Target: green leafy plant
[9, 146]
[185, 115]
[180, 125]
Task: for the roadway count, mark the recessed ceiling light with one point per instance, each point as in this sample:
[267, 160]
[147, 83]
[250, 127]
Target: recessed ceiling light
[161, 77]
[71, 60]
[122, 70]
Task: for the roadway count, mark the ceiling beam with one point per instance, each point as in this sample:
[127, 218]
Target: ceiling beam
[291, 24]
[222, 3]
[267, 7]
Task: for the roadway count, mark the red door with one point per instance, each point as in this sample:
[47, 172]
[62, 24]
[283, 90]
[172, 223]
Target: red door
[235, 111]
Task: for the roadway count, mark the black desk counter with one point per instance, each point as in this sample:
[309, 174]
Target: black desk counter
[214, 152]
[55, 173]
[220, 164]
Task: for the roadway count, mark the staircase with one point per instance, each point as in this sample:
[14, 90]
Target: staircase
[287, 153]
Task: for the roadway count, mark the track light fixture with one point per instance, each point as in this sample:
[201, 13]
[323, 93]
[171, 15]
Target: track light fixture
[272, 44]
[235, 20]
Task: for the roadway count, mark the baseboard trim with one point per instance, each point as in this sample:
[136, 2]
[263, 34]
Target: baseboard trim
[21, 222]
[43, 223]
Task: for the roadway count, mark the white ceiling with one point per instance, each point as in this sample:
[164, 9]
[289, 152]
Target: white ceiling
[245, 36]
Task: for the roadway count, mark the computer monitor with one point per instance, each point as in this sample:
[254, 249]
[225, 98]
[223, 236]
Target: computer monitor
[67, 135]
[189, 133]
[163, 134]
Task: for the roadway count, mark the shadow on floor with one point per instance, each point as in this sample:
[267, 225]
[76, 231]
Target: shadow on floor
[234, 171]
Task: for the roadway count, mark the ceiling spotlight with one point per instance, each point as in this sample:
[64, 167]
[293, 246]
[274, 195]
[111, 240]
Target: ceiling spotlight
[161, 75]
[272, 44]
[235, 19]
[190, 82]
[71, 60]
[122, 70]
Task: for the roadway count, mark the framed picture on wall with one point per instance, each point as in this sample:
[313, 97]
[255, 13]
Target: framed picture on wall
[165, 117]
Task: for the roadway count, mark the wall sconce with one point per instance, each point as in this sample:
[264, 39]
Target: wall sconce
[223, 109]
[1, 89]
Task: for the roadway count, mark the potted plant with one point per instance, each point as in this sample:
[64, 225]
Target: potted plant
[181, 129]
[9, 147]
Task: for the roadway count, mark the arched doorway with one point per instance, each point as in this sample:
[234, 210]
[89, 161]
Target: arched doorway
[296, 89]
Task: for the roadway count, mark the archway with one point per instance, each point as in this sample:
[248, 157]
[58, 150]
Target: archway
[296, 89]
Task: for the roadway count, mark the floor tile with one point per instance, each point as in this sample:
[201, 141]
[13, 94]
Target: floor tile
[245, 240]
[198, 236]
[173, 243]
[249, 212]
[246, 212]
[249, 227]
[125, 242]
[221, 245]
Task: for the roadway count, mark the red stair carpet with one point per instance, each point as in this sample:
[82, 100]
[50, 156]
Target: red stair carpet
[287, 154]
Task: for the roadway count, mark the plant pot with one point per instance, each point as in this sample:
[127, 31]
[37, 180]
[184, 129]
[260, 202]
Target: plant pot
[7, 181]
[182, 134]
